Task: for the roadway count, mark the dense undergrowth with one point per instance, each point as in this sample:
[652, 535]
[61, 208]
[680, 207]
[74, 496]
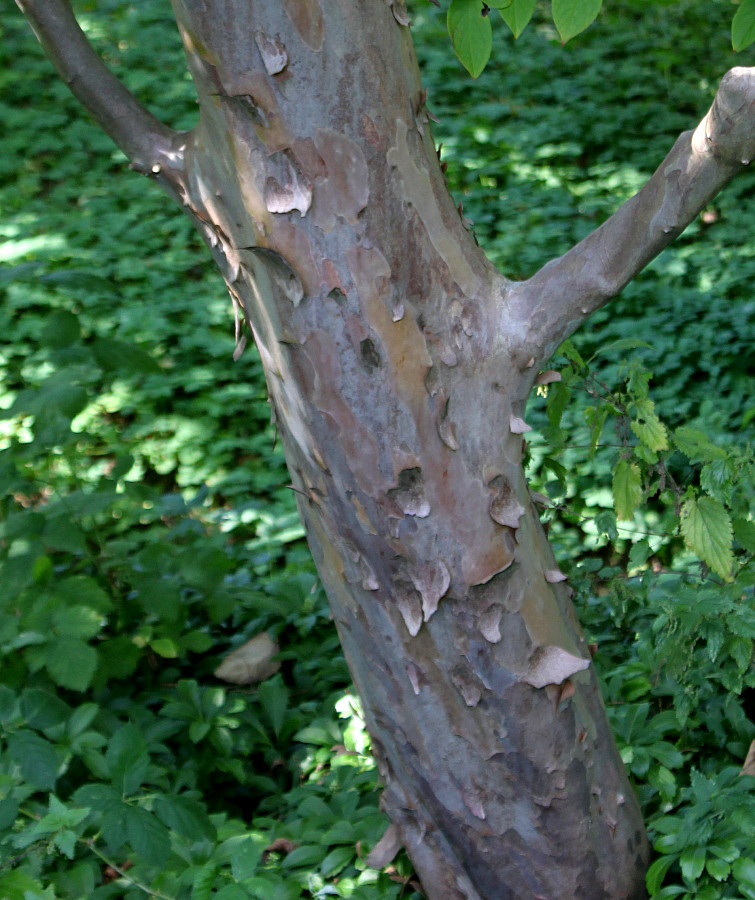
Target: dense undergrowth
[146, 528]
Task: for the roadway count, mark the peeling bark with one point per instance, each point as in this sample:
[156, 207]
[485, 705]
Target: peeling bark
[398, 363]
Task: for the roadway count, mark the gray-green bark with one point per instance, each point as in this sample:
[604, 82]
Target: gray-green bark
[398, 364]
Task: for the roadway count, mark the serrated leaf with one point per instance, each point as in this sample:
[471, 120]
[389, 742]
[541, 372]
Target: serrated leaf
[71, 662]
[707, 531]
[695, 445]
[184, 816]
[471, 34]
[571, 17]
[147, 835]
[744, 532]
[35, 757]
[743, 25]
[648, 427]
[558, 398]
[627, 489]
[204, 881]
[718, 869]
[517, 14]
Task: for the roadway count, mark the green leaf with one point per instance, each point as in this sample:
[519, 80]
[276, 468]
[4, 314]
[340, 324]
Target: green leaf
[718, 869]
[627, 489]
[204, 880]
[558, 398]
[17, 885]
[648, 427]
[147, 835]
[35, 757]
[245, 857]
[692, 862]
[65, 841]
[308, 855]
[71, 662]
[744, 532]
[744, 872]
[127, 759]
[41, 709]
[707, 531]
[656, 873]
[61, 330]
[119, 356]
[696, 446]
[743, 25]
[232, 892]
[471, 34]
[185, 816]
[517, 14]
[76, 621]
[165, 647]
[572, 16]
[622, 344]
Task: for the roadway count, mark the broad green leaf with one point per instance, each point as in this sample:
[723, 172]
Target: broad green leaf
[744, 532]
[119, 356]
[165, 647]
[76, 621]
[308, 855]
[471, 34]
[8, 811]
[71, 662]
[718, 868]
[148, 836]
[61, 329]
[707, 531]
[232, 892]
[127, 759]
[204, 881]
[648, 427]
[65, 841]
[572, 16]
[41, 709]
[246, 854]
[744, 872]
[695, 445]
[517, 14]
[743, 25]
[17, 885]
[627, 489]
[184, 816]
[35, 757]
[692, 862]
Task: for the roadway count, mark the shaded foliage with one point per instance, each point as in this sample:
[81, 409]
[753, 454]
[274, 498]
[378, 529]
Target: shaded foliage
[146, 528]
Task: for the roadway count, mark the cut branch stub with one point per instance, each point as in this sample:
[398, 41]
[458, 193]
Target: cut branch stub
[409, 496]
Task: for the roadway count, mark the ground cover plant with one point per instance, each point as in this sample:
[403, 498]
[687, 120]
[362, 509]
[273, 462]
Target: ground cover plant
[147, 526]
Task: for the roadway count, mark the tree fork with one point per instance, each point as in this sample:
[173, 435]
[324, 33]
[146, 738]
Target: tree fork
[398, 364]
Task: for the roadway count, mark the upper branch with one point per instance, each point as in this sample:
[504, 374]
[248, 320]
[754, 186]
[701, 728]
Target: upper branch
[150, 146]
[557, 299]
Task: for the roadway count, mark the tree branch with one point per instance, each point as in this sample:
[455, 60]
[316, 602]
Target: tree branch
[151, 147]
[558, 298]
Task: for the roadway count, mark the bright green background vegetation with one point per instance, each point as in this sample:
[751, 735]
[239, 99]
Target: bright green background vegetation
[146, 528]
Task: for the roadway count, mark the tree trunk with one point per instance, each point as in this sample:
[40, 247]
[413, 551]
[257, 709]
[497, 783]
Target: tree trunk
[398, 364]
